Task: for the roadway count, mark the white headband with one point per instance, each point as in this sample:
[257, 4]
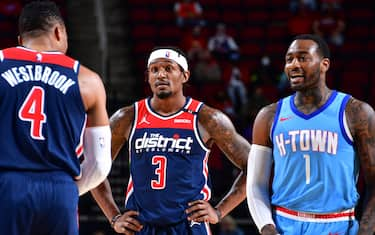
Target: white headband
[168, 54]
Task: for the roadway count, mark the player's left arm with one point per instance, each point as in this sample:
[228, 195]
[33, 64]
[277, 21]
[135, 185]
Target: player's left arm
[218, 128]
[361, 121]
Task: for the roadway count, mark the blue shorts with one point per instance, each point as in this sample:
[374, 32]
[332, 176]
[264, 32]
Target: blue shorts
[38, 203]
[288, 224]
[183, 228]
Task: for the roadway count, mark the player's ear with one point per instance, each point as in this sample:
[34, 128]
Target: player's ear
[19, 39]
[186, 75]
[324, 65]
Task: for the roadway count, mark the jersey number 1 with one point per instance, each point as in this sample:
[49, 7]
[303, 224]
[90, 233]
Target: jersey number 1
[32, 111]
[307, 166]
[160, 171]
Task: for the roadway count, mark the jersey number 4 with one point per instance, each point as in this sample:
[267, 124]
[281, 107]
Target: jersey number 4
[161, 171]
[32, 111]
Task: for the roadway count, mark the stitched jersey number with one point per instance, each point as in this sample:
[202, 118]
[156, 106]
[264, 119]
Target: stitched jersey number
[307, 166]
[32, 111]
[160, 171]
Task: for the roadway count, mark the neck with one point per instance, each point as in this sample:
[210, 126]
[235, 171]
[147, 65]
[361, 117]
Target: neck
[168, 105]
[39, 44]
[311, 99]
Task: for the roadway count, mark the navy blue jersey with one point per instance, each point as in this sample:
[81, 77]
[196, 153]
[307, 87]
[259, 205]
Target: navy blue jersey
[168, 164]
[42, 112]
[314, 157]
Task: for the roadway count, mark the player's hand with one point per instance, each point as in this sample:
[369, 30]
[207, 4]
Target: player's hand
[202, 211]
[269, 229]
[127, 223]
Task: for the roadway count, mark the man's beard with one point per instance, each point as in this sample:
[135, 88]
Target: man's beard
[164, 94]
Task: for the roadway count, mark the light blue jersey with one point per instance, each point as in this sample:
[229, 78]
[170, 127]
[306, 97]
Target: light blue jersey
[314, 158]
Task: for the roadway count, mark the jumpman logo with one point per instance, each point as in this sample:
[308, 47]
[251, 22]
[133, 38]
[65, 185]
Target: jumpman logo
[144, 120]
[192, 223]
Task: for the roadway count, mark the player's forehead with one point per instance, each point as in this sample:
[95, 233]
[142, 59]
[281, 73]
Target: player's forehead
[302, 46]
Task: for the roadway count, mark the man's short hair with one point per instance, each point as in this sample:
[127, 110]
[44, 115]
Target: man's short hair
[38, 17]
[323, 48]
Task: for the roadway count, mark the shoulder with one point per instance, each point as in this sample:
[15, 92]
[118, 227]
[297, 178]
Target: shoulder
[210, 117]
[263, 124]
[124, 114]
[122, 120]
[87, 76]
[91, 88]
[268, 112]
[358, 113]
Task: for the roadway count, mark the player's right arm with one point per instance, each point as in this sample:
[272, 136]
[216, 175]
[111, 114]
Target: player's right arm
[97, 137]
[259, 171]
[120, 123]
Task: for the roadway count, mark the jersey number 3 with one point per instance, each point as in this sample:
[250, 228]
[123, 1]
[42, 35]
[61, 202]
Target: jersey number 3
[160, 171]
[32, 111]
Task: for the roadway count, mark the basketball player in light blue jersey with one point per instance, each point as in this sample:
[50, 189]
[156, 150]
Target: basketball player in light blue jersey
[313, 144]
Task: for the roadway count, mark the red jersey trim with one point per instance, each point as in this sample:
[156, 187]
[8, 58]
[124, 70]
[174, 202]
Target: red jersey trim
[21, 53]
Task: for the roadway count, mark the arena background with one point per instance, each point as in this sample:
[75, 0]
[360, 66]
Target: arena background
[114, 38]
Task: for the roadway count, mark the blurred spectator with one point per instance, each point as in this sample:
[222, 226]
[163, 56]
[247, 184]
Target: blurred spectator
[188, 13]
[228, 226]
[194, 43]
[222, 102]
[264, 73]
[309, 5]
[330, 24]
[265, 78]
[206, 70]
[256, 101]
[236, 90]
[336, 4]
[222, 45]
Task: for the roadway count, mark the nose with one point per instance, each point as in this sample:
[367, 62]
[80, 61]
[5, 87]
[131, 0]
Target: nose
[161, 73]
[295, 63]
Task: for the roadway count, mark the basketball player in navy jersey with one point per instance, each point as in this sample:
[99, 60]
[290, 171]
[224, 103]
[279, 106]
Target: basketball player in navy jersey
[52, 112]
[169, 137]
[313, 143]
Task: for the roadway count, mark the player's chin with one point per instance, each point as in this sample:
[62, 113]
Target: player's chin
[297, 88]
[163, 94]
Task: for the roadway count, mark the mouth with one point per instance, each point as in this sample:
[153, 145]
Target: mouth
[159, 84]
[296, 78]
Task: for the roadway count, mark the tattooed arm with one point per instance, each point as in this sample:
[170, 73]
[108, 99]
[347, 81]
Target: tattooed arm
[120, 123]
[361, 121]
[216, 127]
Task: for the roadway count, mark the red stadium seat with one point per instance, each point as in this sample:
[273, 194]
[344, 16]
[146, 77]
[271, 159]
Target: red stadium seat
[139, 15]
[252, 33]
[355, 83]
[251, 49]
[258, 17]
[233, 17]
[141, 31]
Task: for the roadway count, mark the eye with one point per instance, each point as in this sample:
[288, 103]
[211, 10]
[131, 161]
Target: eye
[288, 59]
[168, 68]
[153, 69]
